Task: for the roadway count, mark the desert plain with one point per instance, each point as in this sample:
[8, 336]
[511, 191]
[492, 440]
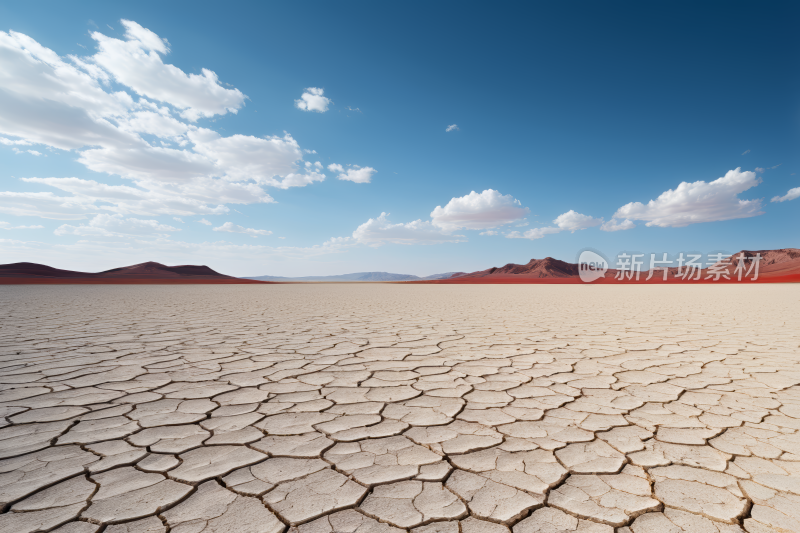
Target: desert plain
[380, 408]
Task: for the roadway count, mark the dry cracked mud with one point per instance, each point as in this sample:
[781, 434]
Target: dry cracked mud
[378, 408]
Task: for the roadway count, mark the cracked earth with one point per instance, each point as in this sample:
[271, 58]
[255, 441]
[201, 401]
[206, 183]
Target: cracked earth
[380, 408]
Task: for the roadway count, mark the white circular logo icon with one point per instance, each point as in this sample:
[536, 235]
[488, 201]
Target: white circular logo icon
[591, 266]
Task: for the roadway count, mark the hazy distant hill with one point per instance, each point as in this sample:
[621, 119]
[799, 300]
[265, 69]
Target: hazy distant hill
[357, 276]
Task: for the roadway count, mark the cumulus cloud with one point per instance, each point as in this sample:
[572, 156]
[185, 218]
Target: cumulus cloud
[378, 231]
[116, 226]
[126, 112]
[313, 100]
[234, 158]
[488, 232]
[485, 210]
[616, 225]
[299, 180]
[230, 227]
[355, 173]
[791, 195]
[452, 127]
[700, 201]
[570, 221]
[204, 221]
[46, 100]
[136, 63]
[178, 219]
[358, 174]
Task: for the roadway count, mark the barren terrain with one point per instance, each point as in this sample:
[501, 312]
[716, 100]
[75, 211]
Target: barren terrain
[379, 408]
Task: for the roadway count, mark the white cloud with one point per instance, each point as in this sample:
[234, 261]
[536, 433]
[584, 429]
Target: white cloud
[204, 221]
[488, 232]
[87, 197]
[569, 221]
[298, 180]
[230, 227]
[692, 203]
[378, 231]
[71, 104]
[616, 225]
[178, 219]
[313, 100]
[17, 151]
[572, 221]
[9, 142]
[234, 158]
[7, 225]
[355, 174]
[486, 210]
[358, 174]
[533, 234]
[760, 170]
[746, 152]
[116, 226]
[791, 195]
[46, 100]
[137, 64]
[452, 127]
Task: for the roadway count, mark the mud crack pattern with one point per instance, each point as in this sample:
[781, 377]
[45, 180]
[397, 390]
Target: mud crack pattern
[379, 408]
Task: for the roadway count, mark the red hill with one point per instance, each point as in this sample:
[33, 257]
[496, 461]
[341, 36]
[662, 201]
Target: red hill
[782, 265]
[535, 268]
[143, 273]
[152, 269]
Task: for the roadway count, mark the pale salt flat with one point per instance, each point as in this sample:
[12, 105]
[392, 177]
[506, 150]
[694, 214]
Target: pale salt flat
[378, 408]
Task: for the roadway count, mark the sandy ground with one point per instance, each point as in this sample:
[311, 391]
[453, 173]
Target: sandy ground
[375, 408]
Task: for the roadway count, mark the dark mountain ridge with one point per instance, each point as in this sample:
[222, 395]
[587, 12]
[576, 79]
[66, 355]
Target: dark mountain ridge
[148, 272]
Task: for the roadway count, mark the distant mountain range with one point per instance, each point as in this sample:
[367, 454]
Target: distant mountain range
[358, 276]
[149, 272]
[782, 265]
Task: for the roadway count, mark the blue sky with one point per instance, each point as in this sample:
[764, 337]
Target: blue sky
[566, 114]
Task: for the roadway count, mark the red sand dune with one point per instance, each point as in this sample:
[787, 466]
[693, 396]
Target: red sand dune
[776, 266]
[143, 273]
